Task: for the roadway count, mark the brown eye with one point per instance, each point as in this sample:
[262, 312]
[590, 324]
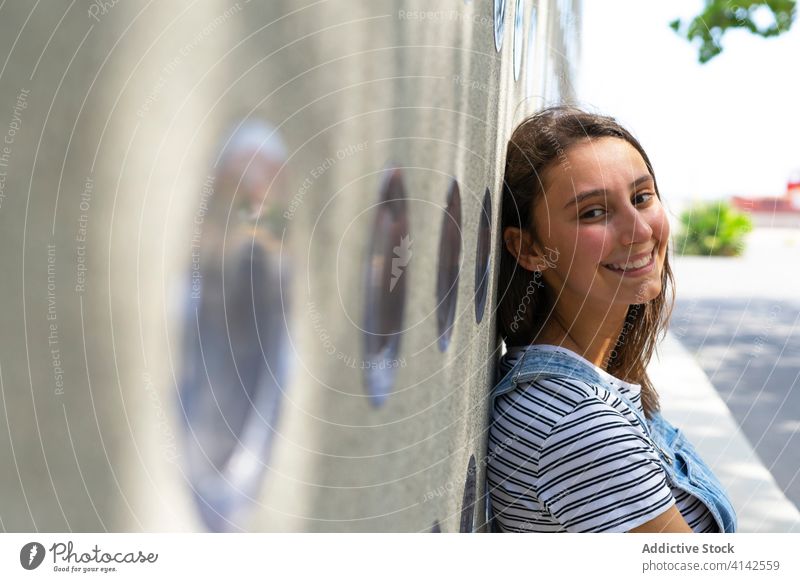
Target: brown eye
[588, 213]
[647, 196]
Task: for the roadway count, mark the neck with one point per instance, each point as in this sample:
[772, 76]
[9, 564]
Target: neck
[592, 333]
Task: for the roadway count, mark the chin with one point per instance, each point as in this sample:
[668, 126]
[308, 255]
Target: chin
[648, 293]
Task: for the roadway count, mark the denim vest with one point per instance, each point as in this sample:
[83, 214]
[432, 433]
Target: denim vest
[682, 464]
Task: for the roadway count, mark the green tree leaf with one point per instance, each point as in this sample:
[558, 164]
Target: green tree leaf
[707, 28]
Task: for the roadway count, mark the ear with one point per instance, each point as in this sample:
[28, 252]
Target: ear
[521, 246]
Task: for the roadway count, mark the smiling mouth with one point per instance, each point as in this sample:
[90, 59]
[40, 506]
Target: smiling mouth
[638, 268]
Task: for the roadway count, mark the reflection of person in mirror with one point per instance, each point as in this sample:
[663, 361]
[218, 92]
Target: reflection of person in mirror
[252, 179]
[252, 195]
[235, 350]
[577, 442]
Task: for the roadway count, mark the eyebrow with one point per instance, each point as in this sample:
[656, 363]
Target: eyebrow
[598, 191]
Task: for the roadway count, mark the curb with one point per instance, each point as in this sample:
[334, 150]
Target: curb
[690, 402]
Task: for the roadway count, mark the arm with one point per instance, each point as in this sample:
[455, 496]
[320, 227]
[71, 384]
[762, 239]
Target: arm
[671, 521]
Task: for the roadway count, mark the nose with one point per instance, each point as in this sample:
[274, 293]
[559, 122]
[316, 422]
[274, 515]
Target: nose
[635, 228]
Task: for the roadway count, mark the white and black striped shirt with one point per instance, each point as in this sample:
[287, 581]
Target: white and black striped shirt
[565, 455]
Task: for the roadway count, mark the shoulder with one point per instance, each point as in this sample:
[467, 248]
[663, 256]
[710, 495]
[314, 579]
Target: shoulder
[547, 410]
[560, 419]
[549, 399]
[598, 425]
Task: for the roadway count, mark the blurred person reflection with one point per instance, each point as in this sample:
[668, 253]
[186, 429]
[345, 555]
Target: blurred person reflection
[235, 363]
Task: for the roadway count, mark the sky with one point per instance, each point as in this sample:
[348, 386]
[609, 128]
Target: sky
[729, 127]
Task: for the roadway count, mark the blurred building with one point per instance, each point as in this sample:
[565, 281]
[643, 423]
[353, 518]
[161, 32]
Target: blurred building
[781, 211]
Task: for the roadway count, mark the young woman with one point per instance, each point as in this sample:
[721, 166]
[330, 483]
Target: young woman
[577, 442]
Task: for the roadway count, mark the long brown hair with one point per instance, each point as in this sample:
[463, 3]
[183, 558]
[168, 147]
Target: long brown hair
[526, 302]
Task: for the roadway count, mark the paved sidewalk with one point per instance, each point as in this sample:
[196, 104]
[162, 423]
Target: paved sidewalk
[690, 402]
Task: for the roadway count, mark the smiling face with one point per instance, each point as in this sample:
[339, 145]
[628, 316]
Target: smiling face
[601, 217]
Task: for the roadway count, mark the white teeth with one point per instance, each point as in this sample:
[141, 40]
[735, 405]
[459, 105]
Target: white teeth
[634, 265]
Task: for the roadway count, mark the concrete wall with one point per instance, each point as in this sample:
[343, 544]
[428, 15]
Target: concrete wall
[135, 251]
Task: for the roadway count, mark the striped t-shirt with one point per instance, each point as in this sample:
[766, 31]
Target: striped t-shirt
[567, 456]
